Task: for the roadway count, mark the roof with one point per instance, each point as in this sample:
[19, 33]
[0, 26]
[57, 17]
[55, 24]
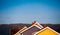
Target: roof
[16, 27]
[45, 29]
[21, 30]
[36, 24]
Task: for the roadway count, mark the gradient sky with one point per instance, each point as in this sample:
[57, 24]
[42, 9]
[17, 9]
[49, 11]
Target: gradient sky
[26, 11]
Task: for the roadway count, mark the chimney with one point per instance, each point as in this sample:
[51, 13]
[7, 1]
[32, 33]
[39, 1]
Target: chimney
[33, 22]
[44, 25]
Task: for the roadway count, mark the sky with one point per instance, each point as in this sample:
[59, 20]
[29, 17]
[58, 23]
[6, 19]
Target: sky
[26, 11]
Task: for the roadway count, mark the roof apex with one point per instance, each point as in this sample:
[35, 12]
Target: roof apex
[36, 23]
[45, 29]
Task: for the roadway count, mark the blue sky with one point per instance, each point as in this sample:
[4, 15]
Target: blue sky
[26, 11]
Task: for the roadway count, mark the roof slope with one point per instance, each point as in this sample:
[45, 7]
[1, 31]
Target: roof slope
[47, 31]
[14, 27]
[18, 33]
[33, 28]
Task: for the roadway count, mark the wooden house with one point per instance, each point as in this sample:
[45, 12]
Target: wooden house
[47, 31]
[32, 29]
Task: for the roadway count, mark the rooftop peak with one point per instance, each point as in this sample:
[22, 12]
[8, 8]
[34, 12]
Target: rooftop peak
[36, 23]
[33, 22]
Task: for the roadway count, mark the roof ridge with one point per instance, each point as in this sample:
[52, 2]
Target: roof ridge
[46, 28]
[36, 23]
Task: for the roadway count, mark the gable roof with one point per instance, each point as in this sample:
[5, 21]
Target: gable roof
[14, 28]
[36, 24]
[45, 29]
[21, 30]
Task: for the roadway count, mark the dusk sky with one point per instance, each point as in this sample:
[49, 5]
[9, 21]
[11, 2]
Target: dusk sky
[26, 11]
